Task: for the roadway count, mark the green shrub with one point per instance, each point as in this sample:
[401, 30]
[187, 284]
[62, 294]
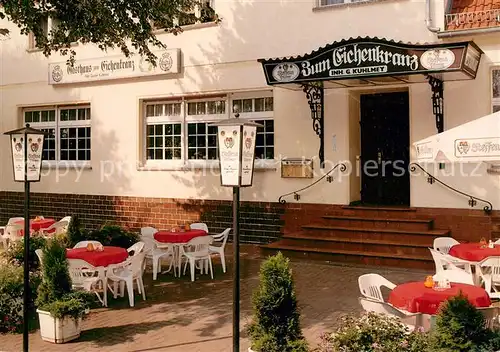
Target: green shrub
[15, 252]
[460, 327]
[113, 235]
[55, 294]
[373, 332]
[276, 325]
[11, 297]
[75, 232]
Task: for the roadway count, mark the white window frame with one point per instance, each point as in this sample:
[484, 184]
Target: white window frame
[184, 118]
[494, 101]
[57, 125]
[161, 120]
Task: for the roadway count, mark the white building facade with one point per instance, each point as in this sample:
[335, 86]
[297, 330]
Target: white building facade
[133, 142]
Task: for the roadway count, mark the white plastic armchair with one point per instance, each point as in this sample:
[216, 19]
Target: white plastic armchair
[443, 261]
[443, 244]
[218, 245]
[66, 218]
[39, 254]
[126, 273]
[156, 254]
[199, 226]
[5, 237]
[455, 274]
[136, 248]
[83, 244]
[87, 277]
[375, 306]
[489, 272]
[198, 253]
[56, 228]
[369, 286]
[148, 231]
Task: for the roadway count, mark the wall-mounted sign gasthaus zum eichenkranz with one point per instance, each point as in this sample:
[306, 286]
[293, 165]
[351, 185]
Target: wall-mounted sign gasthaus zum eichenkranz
[373, 57]
[114, 67]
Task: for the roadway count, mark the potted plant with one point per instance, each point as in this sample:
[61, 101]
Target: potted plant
[275, 326]
[60, 309]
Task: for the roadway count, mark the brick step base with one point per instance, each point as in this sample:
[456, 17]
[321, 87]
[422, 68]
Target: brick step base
[377, 222]
[361, 245]
[359, 233]
[343, 256]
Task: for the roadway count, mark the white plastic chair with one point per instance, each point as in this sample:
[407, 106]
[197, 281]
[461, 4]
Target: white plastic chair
[136, 248]
[39, 254]
[369, 286]
[443, 244]
[442, 261]
[376, 306]
[87, 277]
[83, 244]
[156, 254]
[56, 228]
[455, 274]
[66, 218]
[148, 231]
[6, 236]
[126, 273]
[489, 272]
[198, 252]
[219, 249]
[199, 226]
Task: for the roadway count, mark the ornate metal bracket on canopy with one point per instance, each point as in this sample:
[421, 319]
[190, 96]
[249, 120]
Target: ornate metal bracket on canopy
[315, 97]
[367, 62]
[437, 87]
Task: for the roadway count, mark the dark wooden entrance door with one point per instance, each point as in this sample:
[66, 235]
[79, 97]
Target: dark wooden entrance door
[385, 144]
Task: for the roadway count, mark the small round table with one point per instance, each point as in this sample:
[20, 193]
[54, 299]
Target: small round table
[109, 255]
[473, 251]
[414, 297]
[37, 225]
[178, 237]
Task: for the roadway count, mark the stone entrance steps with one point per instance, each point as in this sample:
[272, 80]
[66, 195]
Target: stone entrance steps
[367, 235]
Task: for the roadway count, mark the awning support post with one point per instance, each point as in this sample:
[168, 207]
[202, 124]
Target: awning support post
[316, 99]
[437, 101]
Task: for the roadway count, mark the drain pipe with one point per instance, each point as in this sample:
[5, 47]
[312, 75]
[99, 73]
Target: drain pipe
[428, 19]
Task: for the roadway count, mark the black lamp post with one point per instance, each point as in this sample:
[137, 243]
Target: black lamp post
[26, 147]
[236, 145]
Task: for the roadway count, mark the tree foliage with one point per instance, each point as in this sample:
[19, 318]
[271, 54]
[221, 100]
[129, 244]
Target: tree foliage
[127, 25]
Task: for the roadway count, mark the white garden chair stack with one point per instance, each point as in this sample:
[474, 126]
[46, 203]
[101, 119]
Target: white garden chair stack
[127, 273]
[154, 252]
[87, 277]
[196, 253]
[218, 245]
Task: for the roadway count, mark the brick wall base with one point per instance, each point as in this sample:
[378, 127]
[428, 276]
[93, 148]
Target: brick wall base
[260, 222]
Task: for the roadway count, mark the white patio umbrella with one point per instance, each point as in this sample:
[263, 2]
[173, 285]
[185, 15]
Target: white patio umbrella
[472, 142]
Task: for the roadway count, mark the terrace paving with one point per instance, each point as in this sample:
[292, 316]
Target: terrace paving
[180, 315]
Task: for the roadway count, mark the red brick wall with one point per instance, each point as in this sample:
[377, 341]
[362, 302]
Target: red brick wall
[260, 222]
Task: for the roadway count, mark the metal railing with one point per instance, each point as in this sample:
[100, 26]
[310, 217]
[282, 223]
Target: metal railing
[490, 16]
[329, 178]
[431, 179]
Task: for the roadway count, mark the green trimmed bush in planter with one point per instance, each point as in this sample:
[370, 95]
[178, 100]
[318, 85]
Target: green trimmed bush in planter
[11, 296]
[276, 317]
[15, 252]
[55, 294]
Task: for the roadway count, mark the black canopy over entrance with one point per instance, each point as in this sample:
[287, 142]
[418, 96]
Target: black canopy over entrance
[365, 62]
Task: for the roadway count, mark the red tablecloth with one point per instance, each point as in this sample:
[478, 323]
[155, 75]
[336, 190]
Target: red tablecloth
[178, 237]
[110, 255]
[36, 225]
[473, 251]
[414, 297]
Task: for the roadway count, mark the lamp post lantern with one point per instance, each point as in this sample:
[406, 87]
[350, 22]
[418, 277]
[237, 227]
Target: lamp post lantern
[236, 146]
[26, 147]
